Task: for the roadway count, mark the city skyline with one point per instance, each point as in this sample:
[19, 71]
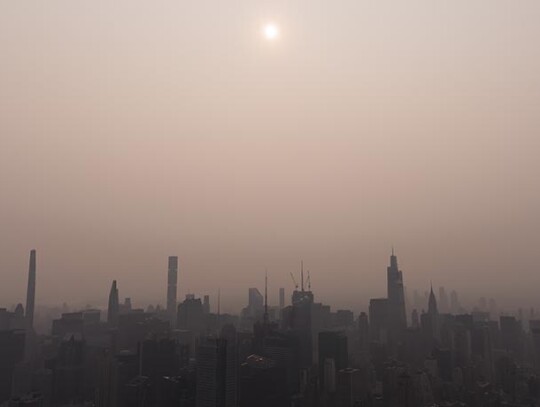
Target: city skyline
[258, 203]
[401, 299]
[130, 132]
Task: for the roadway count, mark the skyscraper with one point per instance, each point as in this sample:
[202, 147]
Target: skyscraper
[217, 374]
[396, 295]
[432, 304]
[430, 320]
[300, 321]
[255, 307]
[190, 315]
[206, 304]
[114, 307]
[228, 333]
[31, 291]
[172, 279]
[333, 346]
[281, 298]
[379, 316]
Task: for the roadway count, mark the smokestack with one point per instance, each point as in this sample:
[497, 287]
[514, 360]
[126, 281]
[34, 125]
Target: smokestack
[31, 291]
[172, 279]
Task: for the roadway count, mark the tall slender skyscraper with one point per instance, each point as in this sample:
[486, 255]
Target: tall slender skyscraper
[172, 279]
[114, 306]
[396, 295]
[31, 291]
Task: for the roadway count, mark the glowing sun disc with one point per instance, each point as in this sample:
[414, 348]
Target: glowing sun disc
[270, 31]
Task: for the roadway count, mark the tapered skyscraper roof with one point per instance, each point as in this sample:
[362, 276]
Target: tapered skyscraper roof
[114, 306]
[31, 291]
[432, 304]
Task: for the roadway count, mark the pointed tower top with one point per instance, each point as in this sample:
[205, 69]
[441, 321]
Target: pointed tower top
[393, 259]
[31, 291]
[432, 303]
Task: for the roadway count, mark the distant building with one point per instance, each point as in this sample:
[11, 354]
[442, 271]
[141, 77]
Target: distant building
[430, 321]
[172, 281]
[300, 321]
[68, 370]
[206, 304]
[114, 307]
[379, 319]
[396, 296]
[332, 346]
[255, 307]
[343, 318]
[69, 323]
[31, 291]
[191, 315]
[263, 383]
[217, 380]
[349, 387]
[11, 353]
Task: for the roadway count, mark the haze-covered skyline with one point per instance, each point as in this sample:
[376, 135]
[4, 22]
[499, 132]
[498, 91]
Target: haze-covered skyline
[133, 131]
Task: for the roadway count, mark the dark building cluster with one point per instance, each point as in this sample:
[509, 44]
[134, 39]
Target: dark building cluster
[297, 355]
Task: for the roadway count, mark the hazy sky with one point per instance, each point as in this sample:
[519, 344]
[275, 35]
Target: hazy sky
[133, 130]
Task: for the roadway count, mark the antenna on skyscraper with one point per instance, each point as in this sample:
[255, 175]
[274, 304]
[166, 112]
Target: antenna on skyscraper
[308, 281]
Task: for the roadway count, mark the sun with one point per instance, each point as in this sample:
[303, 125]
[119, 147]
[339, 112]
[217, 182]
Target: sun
[270, 31]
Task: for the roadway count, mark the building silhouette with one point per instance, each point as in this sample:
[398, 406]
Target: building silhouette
[333, 347]
[11, 353]
[114, 307]
[306, 355]
[191, 315]
[31, 292]
[217, 375]
[396, 296]
[172, 281]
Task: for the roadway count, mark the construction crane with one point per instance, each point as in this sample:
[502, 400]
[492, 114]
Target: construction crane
[294, 281]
